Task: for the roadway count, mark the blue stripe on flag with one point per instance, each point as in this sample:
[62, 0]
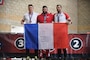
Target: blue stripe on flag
[31, 36]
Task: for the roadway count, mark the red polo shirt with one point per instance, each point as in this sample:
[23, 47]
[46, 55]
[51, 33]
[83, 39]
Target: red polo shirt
[49, 18]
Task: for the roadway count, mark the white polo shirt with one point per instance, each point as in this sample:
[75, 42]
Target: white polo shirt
[61, 17]
[30, 18]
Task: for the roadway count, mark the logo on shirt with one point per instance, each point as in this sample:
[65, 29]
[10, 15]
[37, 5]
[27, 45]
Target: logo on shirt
[47, 16]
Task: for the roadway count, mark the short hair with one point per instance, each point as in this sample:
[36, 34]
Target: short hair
[44, 7]
[59, 5]
[30, 5]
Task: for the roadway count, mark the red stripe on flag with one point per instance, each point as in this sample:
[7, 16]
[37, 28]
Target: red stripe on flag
[60, 35]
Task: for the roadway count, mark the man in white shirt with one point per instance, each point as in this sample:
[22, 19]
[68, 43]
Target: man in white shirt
[62, 17]
[30, 17]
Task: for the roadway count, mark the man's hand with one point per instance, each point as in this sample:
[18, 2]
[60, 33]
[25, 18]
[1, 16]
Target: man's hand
[22, 21]
[69, 22]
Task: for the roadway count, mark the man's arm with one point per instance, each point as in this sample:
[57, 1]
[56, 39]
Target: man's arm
[69, 21]
[23, 20]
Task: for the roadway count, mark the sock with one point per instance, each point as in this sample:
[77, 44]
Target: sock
[65, 52]
[59, 52]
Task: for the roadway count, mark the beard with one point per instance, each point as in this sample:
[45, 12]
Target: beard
[44, 12]
[59, 11]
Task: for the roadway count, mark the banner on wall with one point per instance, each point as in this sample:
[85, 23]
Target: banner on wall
[11, 43]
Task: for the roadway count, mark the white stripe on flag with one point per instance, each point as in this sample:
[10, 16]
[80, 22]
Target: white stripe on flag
[45, 36]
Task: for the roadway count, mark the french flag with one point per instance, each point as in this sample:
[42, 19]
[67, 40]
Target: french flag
[46, 35]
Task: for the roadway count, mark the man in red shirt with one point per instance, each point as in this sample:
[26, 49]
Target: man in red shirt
[45, 17]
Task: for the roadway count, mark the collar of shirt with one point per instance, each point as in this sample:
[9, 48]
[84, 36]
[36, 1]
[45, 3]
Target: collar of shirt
[30, 14]
[60, 14]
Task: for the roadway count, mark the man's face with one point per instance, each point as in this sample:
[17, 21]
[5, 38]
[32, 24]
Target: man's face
[30, 8]
[45, 10]
[59, 8]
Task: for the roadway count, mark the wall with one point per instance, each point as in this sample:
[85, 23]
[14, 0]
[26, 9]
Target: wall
[12, 11]
[84, 16]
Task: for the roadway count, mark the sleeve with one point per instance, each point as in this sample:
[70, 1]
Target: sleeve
[67, 16]
[52, 16]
